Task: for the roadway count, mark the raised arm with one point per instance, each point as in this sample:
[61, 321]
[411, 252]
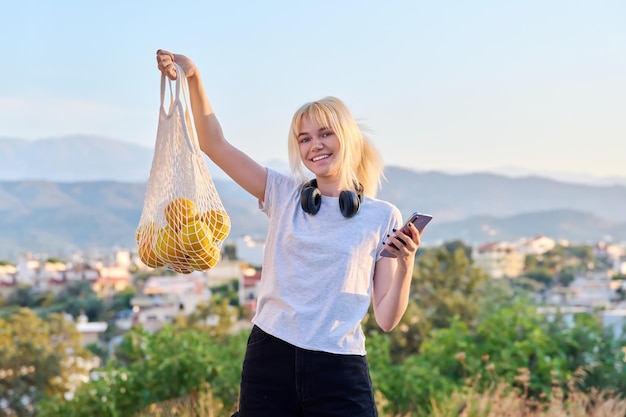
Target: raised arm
[245, 171]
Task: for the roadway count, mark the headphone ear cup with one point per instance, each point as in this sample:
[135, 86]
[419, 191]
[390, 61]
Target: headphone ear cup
[349, 203]
[310, 199]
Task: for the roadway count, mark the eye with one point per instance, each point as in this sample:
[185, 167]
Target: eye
[327, 133]
[304, 139]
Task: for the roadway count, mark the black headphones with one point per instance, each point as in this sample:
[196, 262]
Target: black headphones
[311, 199]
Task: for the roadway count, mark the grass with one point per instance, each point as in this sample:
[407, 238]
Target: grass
[501, 400]
[198, 404]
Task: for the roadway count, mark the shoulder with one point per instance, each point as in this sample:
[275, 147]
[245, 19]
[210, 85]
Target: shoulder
[382, 212]
[279, 188]
[381, 206]
[280, 179]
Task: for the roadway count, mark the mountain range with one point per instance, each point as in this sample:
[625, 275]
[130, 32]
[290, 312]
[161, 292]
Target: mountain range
[86, 193]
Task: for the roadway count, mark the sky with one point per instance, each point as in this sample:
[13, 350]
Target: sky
[457, 86]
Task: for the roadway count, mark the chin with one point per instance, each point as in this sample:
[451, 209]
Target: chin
[326, 170]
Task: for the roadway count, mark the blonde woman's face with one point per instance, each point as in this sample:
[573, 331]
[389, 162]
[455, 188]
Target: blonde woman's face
[319, 148]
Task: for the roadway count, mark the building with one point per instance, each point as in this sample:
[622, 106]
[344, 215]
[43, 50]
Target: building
[8, 280]
[249, 291]
[568, 313]
[109, 286]
[224, 272]
[615, 320]
[614, 254]
[106, 278]
[90, 331]
[112, 279]
[535, 246]
[162, 299]
[612, 319]
[592, 289]
[499, 259]
[608, 251]
[44, 275]
[58, 280]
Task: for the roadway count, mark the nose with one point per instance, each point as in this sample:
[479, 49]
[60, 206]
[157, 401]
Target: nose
[317, 144]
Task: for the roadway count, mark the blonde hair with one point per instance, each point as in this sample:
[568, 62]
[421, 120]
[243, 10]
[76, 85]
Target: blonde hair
[361, 161]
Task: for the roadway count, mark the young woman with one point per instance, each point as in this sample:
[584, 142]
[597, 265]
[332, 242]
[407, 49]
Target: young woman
[322, 265]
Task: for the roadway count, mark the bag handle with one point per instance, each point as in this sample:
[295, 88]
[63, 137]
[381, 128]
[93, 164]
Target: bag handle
[169, 111]
[175, 100]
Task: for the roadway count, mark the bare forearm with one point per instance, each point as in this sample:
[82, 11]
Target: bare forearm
[392, 277]
[208, 128]
[391, 306]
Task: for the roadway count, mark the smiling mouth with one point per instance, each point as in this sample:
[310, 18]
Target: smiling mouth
[320, 157]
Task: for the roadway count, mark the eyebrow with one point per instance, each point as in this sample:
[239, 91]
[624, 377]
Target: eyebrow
[321, 129]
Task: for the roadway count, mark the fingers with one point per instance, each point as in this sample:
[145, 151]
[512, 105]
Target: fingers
[415, 235]
[402, 245]
[405, 242]
[165, 63]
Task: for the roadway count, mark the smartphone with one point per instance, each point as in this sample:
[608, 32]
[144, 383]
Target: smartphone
[420, 220]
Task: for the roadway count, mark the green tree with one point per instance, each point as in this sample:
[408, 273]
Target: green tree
[229, 251]
[566, 276]
[228, 291]
[54, 260]
[37, 358]
[121, 300]
[445, 285]
[542, 275]
[24, 297]
[154, 367]
[576, 257]
[219, 309]
[584, 253]
[79, 297]
[509, 342]
[453, 245]
[587, 345]
[552, 261]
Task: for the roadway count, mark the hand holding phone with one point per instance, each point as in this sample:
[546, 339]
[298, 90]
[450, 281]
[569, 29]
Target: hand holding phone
[419, 220]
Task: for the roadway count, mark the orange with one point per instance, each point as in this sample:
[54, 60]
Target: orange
[205, 259]
[179, 212]
[195, 236]
[149, 257]
[145, 236]
[168, 246]
[218, 222]
[146, 230]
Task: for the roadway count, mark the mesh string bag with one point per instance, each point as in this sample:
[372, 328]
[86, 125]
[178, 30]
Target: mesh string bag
[183, 223]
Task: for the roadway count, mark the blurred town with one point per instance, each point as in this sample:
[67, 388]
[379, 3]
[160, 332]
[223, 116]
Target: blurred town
[596, 279]
[108, 295]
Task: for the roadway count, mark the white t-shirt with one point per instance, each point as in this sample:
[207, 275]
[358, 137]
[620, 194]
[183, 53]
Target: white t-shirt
[317, 273]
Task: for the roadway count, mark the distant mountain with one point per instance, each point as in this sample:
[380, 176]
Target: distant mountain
[74, 158]
[58, 218]
[87, 193]
[95, 158]
[577, 178]
[570, 225]
[457, 197]
[61, 218]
